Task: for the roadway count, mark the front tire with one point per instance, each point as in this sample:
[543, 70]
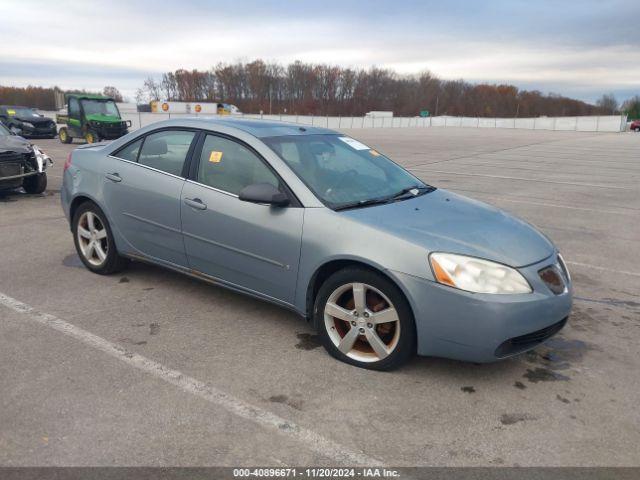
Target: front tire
[94, 241]
[91, 136]
[365, 320]
[35, 184]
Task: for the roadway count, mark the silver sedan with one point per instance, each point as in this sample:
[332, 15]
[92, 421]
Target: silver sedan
[383, 264]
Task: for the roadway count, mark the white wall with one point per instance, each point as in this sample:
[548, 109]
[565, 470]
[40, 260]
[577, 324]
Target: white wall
[604, 123]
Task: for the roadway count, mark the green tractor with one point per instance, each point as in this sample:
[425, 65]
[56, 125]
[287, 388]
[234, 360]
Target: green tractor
[92, 117]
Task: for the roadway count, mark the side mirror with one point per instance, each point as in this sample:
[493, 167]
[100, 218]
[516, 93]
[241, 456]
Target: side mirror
[264, 193]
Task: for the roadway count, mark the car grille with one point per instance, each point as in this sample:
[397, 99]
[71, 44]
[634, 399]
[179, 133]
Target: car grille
[43, 128]
[10, 157]
[525, 342]
[9, 169]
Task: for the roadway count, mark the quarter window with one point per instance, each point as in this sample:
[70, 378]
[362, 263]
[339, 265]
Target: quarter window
[166, 150]
[230, 166]
[130, 152]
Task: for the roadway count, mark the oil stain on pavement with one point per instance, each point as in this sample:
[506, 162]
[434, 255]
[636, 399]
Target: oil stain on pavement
[308, 341]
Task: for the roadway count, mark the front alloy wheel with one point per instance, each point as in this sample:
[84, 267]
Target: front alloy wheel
[365, 320]
[91, 137]
[362, 322]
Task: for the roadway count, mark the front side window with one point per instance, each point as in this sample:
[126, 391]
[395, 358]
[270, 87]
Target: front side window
[343, 172]
[166, 150]
[229, 166]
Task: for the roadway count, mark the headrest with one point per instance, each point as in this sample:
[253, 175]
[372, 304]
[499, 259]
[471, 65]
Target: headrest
[157, 146]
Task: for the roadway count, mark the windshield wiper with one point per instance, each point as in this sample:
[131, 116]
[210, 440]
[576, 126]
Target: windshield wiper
[363, 203]
[415, 191]
[403, 194]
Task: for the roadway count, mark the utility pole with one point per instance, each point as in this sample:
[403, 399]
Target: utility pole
[517, 110]
[437, 100]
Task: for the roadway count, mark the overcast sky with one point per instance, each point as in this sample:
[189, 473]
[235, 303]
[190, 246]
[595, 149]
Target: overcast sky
[576, 48]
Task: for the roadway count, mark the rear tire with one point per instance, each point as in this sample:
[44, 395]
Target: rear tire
[377, 331]
[35, 183]
[64, 136]
[94, 241]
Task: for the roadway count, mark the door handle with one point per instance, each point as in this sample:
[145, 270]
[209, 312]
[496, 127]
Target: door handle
[114, 177]
[195, 203]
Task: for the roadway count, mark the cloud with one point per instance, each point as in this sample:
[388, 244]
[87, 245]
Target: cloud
[585, 47]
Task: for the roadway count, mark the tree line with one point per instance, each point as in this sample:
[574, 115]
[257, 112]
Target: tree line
[44, 98]
[320, 89]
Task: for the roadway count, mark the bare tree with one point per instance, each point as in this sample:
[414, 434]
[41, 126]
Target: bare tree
[113, 92]
[608, 103]
[306, 88]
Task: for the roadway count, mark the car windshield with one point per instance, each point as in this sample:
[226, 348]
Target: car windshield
[100, 107]
[4, 131]
[345, 173]
[22, 112]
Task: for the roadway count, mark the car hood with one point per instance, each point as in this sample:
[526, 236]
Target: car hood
[104, 118]
[14, 143]
[446, 222]
[34, 120]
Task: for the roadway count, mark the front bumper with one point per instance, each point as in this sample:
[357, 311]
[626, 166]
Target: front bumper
[111, 131]
[475, 327]
[37, 131]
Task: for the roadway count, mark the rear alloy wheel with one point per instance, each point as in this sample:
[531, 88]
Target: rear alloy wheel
[94, 241]
[365, 320]
[63, 135]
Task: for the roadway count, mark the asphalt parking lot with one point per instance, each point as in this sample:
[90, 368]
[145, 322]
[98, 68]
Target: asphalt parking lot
[209, 377]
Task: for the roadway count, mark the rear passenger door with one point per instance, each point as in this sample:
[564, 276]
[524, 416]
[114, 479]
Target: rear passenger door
[253, 246]
[142, 192]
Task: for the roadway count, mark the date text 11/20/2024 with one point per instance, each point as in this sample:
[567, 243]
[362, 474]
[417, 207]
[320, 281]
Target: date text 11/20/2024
[373, 472]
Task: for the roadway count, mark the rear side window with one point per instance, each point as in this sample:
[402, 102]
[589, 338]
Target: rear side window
[74, 107]
[230, 166]
[130, 152]
[166, 150]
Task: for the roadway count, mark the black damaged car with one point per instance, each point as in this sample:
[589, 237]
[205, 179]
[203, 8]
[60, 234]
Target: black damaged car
[21, 164]
[26, 122]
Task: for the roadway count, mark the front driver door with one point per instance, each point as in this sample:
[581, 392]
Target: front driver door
[253, 246]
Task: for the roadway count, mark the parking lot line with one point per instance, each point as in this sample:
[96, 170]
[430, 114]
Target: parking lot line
[500, 198]
[604, 269]
[236, 406]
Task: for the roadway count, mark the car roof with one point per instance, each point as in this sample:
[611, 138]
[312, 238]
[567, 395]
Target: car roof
[88, 96]
[264, 128]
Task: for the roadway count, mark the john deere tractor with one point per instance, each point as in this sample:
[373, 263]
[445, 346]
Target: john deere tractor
[92, 117]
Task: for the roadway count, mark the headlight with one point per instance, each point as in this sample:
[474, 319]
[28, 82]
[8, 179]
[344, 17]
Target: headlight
[477, 275]
[27, 124]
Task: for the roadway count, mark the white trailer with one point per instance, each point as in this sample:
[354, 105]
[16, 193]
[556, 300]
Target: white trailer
[204, 108]
[379, 114]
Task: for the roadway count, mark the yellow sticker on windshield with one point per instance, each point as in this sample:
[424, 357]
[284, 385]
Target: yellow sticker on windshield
[215, 157]
[11, 112]
[374, 153]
